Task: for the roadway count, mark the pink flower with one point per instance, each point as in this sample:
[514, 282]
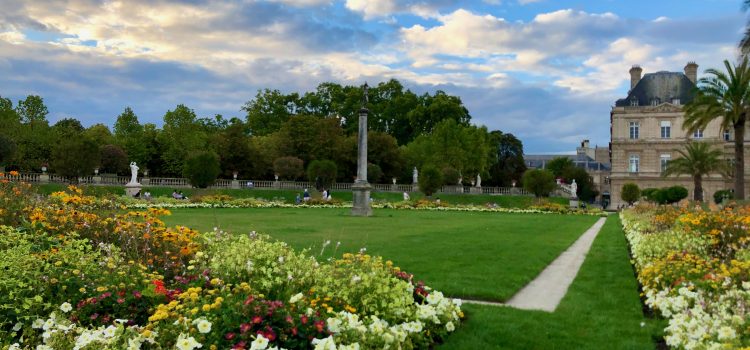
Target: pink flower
[245, 327]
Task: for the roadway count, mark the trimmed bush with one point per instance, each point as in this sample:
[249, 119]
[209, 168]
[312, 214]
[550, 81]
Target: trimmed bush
[630, 193]
[721, 194]
[450, 176]
[374, 173]
[430, 180]
[202, 169]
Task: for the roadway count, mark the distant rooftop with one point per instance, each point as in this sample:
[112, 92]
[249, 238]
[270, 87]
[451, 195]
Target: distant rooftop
[539, 161]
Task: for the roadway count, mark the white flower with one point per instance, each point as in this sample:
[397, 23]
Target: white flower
[37, 324]
[324, 344]
[17, 326]
[109, 332]
[204, 326]
[15, 346]
[727, 333]
[334, 325]
[260, 343]
[43, 347]
[295, 298]
[450, 327]
[356, 278]
[187, 343]
[281, 259]
[66, 307]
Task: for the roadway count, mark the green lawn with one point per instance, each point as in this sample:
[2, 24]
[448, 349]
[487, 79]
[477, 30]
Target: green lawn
[288, 195]
[601, 310]
[480, 255]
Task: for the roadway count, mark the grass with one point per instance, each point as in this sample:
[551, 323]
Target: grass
[601, 310]
[289, 195]
[487, 256]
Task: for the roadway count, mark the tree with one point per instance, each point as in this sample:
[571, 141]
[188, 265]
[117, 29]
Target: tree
[323, 172]
[430, 180]
[235, 153]
[630, 193]
[130, 135]
[7, 149]
[508, 165]
[309, 138]
[75, 157]
[269, 110]
[181, 136]
[724, 96]
[450, 176]
[697, 160]
[559, 165]
[100, 134]
[540, 182]
[32, 109]
[374, 173]
[66, 128]
[745, 42]
[114, 160]
[202, 169]
[288, 168]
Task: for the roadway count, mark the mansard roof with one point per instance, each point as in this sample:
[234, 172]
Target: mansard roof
[662, 86]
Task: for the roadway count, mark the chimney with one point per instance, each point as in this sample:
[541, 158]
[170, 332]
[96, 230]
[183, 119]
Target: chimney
[635, 75]
[691, 71]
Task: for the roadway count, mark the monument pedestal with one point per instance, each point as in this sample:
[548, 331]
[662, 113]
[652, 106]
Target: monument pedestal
[131, 189]
[44, 178]
[235, 184]
[476, 190]
[361, 199]
[574, 202]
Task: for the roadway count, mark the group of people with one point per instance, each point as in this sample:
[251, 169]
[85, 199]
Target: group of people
[305, 197]
[178, 195]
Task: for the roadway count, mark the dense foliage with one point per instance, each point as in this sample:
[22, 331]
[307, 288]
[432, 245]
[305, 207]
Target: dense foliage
[430, 180]
[405, 131]
[201, 169]
[630, 193]
[540, 182]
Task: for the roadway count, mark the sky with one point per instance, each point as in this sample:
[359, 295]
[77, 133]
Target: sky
[547, 71]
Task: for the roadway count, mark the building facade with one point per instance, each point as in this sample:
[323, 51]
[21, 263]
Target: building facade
[646, 133]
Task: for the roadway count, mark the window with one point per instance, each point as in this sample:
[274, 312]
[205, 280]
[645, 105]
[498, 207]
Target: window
[664, 160]
[698, 134]
[635, 162]
[676, 101]
[655, 101]
[634, 129]
[727, 136]
[634, 101]
[666, 129]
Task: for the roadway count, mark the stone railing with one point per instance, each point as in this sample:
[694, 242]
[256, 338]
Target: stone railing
[175, 182]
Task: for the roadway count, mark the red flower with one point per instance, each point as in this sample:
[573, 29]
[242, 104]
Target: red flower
[294, 330]
[257, 319]
[120, 300]
[229, 336]
[249, 300]
[159, 287]
[319, 325]
[137, 294]
[303, 319]
[240, 345]
[245, 327]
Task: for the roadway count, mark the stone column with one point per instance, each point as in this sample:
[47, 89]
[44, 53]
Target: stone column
[361, 188]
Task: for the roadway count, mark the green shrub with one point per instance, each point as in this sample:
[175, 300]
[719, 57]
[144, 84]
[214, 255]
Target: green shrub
[202, 169]
[630, 193]
[323, 172]
[675, 194]
[720, 195]
[540, 182]
[430, 180]
[651, 194]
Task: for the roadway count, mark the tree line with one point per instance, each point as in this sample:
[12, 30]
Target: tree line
[280, 135]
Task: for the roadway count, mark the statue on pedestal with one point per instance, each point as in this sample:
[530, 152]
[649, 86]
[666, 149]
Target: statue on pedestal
[479, 181]
[574, 189]
[133, 173]
[414, 176]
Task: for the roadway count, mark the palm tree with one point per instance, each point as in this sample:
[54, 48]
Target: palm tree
[724, 96]
[697, 159]
[745, 42]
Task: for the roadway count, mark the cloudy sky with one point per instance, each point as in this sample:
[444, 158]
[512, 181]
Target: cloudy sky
[547, 71]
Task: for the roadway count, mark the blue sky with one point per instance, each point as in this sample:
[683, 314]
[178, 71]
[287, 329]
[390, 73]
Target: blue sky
[547, 71]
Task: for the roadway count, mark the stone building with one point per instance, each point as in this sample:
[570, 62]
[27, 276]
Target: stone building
[646, 132]
[594, 159]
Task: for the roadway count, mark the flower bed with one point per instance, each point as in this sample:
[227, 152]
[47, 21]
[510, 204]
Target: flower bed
[229, 202]
[81, 274]
[694, 266]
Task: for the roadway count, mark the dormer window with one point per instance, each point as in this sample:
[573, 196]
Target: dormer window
[655, 102]
[634, 101]
[676, 101]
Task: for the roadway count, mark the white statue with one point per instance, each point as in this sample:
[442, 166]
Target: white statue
[133, 173]
[573, 189]
[479, 181]
[414, 175]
